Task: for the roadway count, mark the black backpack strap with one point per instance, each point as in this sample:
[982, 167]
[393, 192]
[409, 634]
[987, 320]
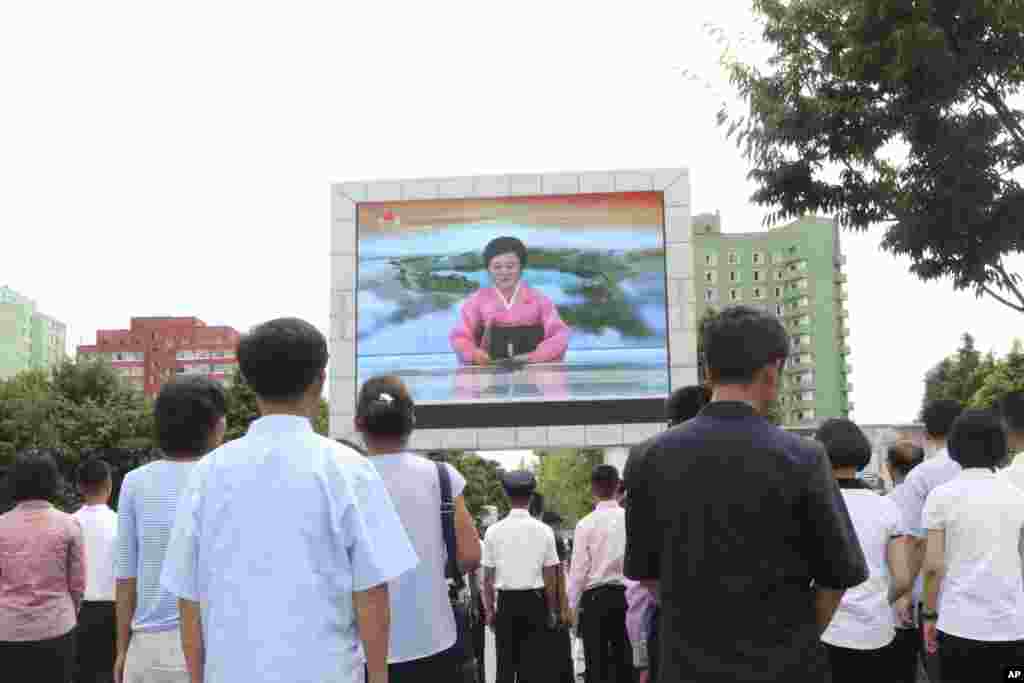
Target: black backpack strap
[451, 570]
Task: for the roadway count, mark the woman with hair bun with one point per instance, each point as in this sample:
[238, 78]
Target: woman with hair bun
[423, 628]
[511, 310]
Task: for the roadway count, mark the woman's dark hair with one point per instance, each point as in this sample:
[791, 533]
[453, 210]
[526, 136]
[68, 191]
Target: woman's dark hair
[904, 456]
[978, 439]
[505, 245]
[385, 408]
[93, 475]
[938, 417]
[741, 340]
[281, 359]
[186, 413]
[1011, 407]
[686, 402]
[845, 443]
[34, 476]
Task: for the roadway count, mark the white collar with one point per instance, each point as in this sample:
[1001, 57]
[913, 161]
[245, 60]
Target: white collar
[509, 302]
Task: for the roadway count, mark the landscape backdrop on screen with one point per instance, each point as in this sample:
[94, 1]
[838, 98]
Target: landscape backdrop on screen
[598, 258]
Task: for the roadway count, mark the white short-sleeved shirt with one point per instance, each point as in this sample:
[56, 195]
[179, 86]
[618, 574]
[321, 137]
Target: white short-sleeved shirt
[274, 532]
[864, 619]
[99, 531]
[422, 623]
[1015, 472]
[518, 548]
[982, 594]
[910, 496]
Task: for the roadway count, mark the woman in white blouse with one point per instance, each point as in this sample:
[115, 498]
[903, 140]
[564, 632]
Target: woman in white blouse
[974, 596]
[423, 627]
[859, 638]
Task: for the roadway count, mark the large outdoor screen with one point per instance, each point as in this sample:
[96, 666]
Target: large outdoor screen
[515, 299]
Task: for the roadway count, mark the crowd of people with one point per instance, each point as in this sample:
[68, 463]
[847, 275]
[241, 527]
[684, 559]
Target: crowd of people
[727, 550]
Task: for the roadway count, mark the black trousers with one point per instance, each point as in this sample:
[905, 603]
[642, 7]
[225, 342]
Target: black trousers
[520, 636]
[964, 660]
[96, 643]
[39, 661]
[653, 643]
[904, 653]
[860, 666]
[605, 641]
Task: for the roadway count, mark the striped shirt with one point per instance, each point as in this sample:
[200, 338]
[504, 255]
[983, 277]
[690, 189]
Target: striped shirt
[145, 517]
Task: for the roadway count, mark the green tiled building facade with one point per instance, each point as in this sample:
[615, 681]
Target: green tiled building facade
[28, 339]
[794, 271]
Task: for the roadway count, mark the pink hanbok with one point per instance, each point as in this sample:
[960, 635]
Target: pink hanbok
[527, 307]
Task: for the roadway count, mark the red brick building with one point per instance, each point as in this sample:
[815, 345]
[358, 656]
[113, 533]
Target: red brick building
[153, 350]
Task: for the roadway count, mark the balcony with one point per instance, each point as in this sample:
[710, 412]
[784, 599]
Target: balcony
[843, 313]
[849, 387]
[843, 296]
[841, 278]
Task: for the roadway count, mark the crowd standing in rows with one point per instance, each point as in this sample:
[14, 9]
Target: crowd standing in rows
[728, 550]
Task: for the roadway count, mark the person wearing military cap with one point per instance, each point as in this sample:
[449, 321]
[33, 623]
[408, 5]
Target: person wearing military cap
[520, 584]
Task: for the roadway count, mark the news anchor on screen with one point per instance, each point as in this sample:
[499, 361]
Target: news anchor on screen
[510, 321]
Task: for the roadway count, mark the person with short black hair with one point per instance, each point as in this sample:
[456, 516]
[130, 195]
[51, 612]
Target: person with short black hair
[974, 598]
[1011, 408]
[860, 636]
[423, 626]
[285, 538]
[740, 525]
[900, 458]
[95, 639]
[189, 413]
[596, 590]
[524, 317]
[42, 575]
[561, 668]
[521, 564]
[910, 496]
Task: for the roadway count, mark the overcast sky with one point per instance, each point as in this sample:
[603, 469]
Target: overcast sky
[175, 159]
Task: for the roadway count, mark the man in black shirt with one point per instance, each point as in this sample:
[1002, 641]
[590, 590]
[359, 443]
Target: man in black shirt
[740, 525]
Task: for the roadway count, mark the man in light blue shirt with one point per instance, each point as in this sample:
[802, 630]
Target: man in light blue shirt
[189, 415]
[285, 540]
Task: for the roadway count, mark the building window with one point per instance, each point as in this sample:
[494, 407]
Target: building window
[734, 276]
[711, 259]
[758, 293]
[779, 275]
[734, 258]
[734, 295]
[709, 294]
[792, 250]
[758, 258]
[802, 283]
[757, 276]
[778, 292]
[807, 396]
[710, 276]
[804, 301]
[778, 309]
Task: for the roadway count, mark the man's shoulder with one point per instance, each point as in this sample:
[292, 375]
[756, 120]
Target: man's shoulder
[698, 433]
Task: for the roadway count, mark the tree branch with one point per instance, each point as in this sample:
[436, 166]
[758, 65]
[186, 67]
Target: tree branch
[1004, 114]
[988, 290]
[1008, 282]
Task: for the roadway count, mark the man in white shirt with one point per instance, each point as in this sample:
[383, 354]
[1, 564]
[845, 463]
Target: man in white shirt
[1011, 407]
[910, 496]
[97, 623]
[285, 541]
[520, 564]
[596, 589]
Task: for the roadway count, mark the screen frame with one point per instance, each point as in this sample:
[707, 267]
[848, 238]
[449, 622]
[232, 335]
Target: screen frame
[517, 424]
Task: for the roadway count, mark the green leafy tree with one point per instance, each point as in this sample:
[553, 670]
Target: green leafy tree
[242, 409]
[483, 482]
[960, 376]
[849, 83]
[563, 478]
[1007, 375]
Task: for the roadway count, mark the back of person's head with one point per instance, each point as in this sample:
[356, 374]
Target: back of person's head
[385, 409]
[845, 443]
[552, 519]
[34, 476]
[94, 477]
[740, 342]
[902, 457]
[938, 417]
[188, 414]
[686, 402]
[283, 360]
[978, 439]
[1011, 407]
[604, 481]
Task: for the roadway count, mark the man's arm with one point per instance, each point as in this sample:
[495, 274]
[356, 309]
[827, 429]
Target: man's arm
[579, 566]
[934, 568]
[551, 591]
[488, 596]
[373, 617]
[826, 602]
[126, 602]
[192, 638]
[897, 557]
